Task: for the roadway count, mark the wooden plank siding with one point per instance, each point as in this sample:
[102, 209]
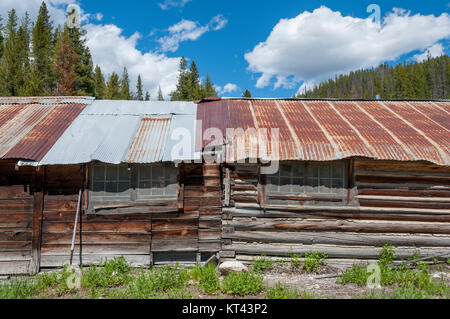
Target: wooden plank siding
[189, 234]
[403, 203]
[16, 218]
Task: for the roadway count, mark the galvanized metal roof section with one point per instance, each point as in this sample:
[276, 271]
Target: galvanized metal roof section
[326, 130]
[30, 126]
[117, 132]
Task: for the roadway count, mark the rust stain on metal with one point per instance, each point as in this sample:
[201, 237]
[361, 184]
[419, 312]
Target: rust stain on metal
[331, 130]
[150, 141]
[45, 133]
[419, 146]
[17, 128]
[315, 143]
[383, 143]
[433, 112]
[8, 112]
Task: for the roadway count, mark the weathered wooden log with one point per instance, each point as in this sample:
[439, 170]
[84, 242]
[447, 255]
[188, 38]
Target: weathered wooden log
[339, 239]
[229, 213]
[339, 226]
[349, 209]
[332, 251]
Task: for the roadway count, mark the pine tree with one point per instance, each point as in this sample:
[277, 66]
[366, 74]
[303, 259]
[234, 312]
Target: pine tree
[147, 96]
[139, 89]
[84, 67]
[65, 61]
[113, 88]
[42, 52]
[209, 90]
[1, 37]
[247, 94]
[182, 92]
[125, 93]
[11, 68]
[99, 81]
[195, 88]
[160, 94]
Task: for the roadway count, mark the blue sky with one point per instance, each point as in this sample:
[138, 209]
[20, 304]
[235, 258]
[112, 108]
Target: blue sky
[335, 36]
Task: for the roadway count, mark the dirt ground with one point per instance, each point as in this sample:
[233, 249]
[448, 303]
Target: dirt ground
[328, 288]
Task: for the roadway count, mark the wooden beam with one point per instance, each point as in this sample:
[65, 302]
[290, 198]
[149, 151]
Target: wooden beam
[38, 209]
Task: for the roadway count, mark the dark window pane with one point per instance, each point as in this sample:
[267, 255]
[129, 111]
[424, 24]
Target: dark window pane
[338, 184]
[325, 171]
[298, 171]
[313, 171]
[124, 173]
[285, 170]
[145, 172]
[285, 185]
[338, 171]
[99, 173]
[124, 187]
[111, 173]
[98, 187]
[111, 187]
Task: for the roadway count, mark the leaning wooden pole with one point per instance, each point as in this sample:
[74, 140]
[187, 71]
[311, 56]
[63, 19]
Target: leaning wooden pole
[72, 248]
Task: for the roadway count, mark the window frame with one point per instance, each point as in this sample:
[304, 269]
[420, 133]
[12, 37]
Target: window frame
[133, 190]
[307, 191]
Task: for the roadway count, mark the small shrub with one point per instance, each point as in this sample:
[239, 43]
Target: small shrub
[262, 264]
[149, 283]
[295, 261]
[18, 288]
[242, 284]
[112, 273]
[47, 280]
[281, 292]
[313, 260]
[358, 274]
[207, 278]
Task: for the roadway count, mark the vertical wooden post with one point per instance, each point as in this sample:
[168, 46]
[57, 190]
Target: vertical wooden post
[350, 181]
[38, 210]
[227, 187]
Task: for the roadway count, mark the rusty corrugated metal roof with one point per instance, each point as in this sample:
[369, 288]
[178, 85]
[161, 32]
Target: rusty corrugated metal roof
[30, 126]
[326, 130]
[150, 141]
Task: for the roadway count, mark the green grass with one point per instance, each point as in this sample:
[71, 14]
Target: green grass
[313, 260]
[262, 264]
[207, 278]
[243, 284]
[407, 283]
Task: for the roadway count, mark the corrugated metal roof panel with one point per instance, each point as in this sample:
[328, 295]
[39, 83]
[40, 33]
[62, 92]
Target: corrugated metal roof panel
[150, 140]
[326, 130]
[13, 131]
[42, 137]
[116, 132]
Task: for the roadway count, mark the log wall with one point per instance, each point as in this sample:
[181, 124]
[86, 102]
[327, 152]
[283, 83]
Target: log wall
[189, 235]
[405, 204]
[16, 214]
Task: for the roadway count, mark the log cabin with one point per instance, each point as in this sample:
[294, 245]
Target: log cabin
[349, 177]
[179, 182]
[113, 163]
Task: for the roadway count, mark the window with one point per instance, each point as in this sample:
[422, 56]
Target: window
[157, 181]
[111, 184]
[306, 179]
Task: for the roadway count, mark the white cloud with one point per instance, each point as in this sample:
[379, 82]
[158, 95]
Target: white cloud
[169, 4]
[56, 8]
[109, 48]
[319, 44]
[433, 51]
[228, 88]
[187, 30]
[112, 51]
